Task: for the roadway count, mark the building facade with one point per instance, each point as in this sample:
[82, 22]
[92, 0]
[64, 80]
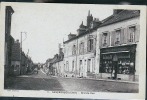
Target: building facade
[80, 50]
[15, 61]
[118, 49]
[9, 40]
[20, 62]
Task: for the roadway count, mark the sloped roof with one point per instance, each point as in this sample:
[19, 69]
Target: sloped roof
[123, 15]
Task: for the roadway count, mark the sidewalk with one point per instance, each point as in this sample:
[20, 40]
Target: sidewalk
[99, 79]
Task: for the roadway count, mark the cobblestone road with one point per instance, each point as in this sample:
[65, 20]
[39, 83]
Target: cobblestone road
[41, 81]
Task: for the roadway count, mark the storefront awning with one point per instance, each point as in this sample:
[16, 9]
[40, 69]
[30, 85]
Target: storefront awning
[115, 52]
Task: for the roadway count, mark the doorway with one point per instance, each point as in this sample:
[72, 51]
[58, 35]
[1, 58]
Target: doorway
[114, 66]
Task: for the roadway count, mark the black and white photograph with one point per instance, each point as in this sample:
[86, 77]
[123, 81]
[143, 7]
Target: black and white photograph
[73, 48]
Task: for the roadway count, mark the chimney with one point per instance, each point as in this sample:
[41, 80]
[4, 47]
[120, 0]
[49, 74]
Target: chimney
[89, 19]
[17, 41]
[70, 36]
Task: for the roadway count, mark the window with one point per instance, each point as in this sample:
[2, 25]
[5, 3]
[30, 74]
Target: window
[132, 34]
[16, 67]
[117, 36]
[90, 45]
[64, 67]
[74, 50]
[81, 50]
[72, 66]
[80, 68]
[88, 65]
[67, 66]
[93, 65]
[105, 39]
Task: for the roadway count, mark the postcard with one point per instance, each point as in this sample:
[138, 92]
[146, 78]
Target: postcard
[88, 51]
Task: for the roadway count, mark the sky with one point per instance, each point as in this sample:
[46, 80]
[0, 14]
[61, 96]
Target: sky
[46, 25]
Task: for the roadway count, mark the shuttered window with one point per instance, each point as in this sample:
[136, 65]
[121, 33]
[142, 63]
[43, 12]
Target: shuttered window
[117, 37]
[90, 45]
[81, 48]
[74, 50]
[132, 34]
[104, 39]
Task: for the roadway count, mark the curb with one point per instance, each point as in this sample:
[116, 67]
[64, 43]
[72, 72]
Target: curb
[108, 80]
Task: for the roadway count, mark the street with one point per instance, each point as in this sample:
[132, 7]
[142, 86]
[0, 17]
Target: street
[41, 81]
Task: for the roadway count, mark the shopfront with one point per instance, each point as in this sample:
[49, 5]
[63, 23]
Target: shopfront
[118, 62]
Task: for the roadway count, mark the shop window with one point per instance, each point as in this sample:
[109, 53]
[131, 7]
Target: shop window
[81, 48]
[117, 37]
[132, 34]
[74, 50]
[108, 66]
[125, 66]
[90, 45]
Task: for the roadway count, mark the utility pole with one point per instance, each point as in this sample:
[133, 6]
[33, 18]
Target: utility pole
[21, 51]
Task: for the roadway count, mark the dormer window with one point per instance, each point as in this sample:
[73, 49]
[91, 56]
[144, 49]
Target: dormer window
[91, 25]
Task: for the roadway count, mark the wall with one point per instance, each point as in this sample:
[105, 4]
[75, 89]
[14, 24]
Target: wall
[68, 57]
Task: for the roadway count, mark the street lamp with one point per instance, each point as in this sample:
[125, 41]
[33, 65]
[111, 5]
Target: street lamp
[21, 49]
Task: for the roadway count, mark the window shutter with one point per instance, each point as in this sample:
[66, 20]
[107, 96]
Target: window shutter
[137, 33]
[125, 35]
[128, 35]
[100, 40]
[122, 36]
[112, 38]
[88, 45]
[108, 39]
[80, 48]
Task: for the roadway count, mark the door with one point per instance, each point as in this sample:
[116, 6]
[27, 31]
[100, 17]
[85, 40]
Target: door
[81, 69]
[115, 66]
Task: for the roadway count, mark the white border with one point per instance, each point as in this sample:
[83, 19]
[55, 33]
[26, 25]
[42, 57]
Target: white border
[96, 95]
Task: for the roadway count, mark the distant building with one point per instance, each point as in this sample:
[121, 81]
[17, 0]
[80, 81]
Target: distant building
[15, 61]
[119, 45]
[8, 40]
[59, 63]
[55, 65]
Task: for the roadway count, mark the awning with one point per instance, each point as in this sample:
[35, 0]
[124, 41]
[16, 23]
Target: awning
[115, 52]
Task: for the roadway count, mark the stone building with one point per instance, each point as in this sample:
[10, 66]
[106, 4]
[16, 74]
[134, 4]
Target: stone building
[119, 45]
[9, 40]
[80, 50]
[15, 61]
[56, 64]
